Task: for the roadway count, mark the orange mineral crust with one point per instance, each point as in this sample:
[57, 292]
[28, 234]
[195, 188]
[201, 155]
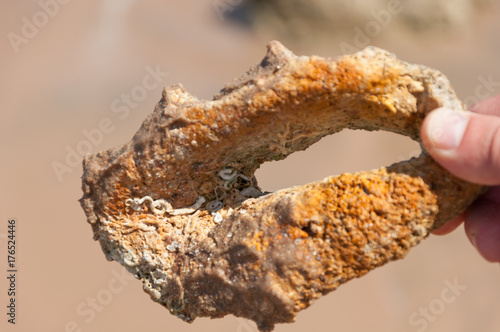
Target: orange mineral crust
[179, 206]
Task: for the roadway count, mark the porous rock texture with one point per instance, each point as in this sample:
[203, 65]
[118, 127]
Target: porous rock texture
[179, 207]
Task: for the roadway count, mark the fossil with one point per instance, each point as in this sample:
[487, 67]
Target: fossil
[179, 206]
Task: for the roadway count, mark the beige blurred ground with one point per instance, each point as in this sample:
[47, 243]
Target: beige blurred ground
[71, 74]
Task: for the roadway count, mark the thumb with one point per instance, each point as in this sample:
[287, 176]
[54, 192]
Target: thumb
[465, 143]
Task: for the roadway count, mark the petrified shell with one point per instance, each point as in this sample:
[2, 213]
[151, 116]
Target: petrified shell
[179, 206]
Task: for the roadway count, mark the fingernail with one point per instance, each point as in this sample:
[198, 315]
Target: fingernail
[446, 128]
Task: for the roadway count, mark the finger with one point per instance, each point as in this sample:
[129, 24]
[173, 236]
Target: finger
[467, 144]
[490, 106]
[493, 195]
[450, 226]
[482, 226]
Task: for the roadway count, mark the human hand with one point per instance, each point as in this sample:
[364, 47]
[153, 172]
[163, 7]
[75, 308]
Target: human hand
[468, 145]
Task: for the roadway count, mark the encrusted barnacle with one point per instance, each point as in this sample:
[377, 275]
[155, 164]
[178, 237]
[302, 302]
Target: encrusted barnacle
[217, 217]
[190, 209]
[136, 203]
[266, 256]
[242, 191]
[161, 206]
[215, 206]
[228, 174]
[230, 177]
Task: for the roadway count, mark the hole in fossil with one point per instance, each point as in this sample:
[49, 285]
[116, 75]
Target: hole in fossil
[348, 151]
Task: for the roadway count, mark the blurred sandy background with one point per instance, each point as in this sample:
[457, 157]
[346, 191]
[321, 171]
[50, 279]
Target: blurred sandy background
[64, 76]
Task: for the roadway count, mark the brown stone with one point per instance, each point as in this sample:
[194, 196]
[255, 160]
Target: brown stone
[179, 206]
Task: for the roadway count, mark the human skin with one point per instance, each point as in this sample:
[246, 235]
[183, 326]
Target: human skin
[468, 145]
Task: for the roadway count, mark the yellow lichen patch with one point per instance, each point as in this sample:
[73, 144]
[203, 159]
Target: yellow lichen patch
[296, 233]
[385, 101]
[317, 70]
[116, 204]
[365, 218]
[259, 242]
[376, 84]
[348, 77]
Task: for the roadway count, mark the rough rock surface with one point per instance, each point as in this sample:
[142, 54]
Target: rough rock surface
[180, 208]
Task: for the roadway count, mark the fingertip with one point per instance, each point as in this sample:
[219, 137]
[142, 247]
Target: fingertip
[465, 143]
[489, 106]
[482, 226]
[450, 226]
[444, 128]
